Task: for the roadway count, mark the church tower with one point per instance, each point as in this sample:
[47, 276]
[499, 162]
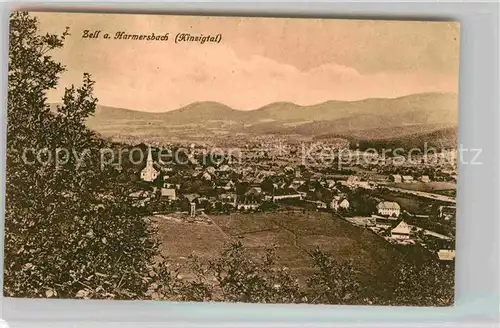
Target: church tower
[149, 173]
[149, 162]
[193, 209]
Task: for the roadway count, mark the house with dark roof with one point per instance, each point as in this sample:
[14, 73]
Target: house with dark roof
[401, 230]
[192, 197]
[389, 209]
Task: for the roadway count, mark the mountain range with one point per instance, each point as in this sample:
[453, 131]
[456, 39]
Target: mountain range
[374, 118]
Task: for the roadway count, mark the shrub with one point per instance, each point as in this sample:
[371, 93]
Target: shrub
[70, 230]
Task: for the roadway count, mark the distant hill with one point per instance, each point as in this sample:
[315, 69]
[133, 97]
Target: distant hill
[421, 108]
[439, 139]
[388, 131]
[201, 112]
[418, 113]
[424, 107]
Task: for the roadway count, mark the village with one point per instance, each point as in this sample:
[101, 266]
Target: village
[401, 203]
[269, 170]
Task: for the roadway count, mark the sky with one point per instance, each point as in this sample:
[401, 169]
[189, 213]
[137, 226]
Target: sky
[258, 61]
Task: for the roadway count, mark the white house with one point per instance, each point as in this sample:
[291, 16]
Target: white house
[248, 206]
[296, 184]
[364, 185]
[210, 170]
[401, 231]
[149, 173]
[229, 198]
[344, 204]
[334, 204]
[330, 183]
[425, 179]
[397, 178]
[168, 193]
[338, 202]
[388, 209]
[207, 176]
[446, 254]
[287, 196]
[407, 179]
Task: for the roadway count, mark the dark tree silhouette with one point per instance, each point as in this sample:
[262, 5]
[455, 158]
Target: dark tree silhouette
[70, 229]
[426, 284]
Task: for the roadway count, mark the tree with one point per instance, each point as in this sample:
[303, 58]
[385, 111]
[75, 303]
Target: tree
[227, 208]
[218, 206]
[268, 206]
[242, 188]
[70, 229]
[239, 278]
[206, 189]
[333, 282]
[426, 284]
[267, 185]
[184, 205]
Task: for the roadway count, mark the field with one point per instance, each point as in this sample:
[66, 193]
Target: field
[181, 239]
[294, 234]
[433, 187]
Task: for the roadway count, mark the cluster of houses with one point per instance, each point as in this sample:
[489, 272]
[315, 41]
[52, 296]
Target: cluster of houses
[387, 218]
[267, 185]
[387, 222]
[260, 185]
[397, 178]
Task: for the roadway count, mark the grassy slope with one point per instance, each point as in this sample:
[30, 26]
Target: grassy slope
[294, 234]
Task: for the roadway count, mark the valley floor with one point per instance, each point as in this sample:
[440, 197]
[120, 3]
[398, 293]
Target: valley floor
[294, 233]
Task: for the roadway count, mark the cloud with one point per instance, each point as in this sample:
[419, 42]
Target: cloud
[160, 81]
[161, 76]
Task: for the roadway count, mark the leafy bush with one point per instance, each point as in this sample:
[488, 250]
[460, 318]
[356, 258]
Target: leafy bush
[232, 277]
[333, 282]
[70, 231]
[426, 284]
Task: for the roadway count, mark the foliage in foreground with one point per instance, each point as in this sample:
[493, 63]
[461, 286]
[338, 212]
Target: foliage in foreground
[235, 276]
[232, 277]
[69, 229]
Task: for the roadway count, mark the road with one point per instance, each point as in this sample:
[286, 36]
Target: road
[431, 233]
[424, 194]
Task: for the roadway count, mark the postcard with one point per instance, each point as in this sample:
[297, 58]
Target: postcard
[231, 159]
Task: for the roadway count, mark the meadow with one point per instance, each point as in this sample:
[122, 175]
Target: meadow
[432, 187]
[294, 234]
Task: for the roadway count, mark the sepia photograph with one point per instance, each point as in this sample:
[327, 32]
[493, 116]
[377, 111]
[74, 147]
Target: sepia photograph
[188, 158]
